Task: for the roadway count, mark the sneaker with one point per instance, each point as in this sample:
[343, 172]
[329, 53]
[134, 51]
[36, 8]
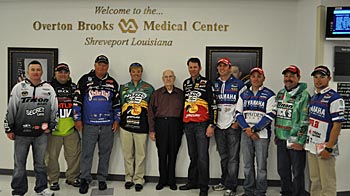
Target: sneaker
[55, 186]
[102, 185]
[75, 183]
[84, 187]
[46, 192]
[229, 193]
[219, 187]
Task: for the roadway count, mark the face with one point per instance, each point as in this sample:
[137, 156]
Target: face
[136, 74]
[321, 81]
[101, 69]
[236, 72]
[224, 70]
[257, 79]
[168, 78]
[35, 72]
[194, 69]
[62, 76]
[290, 80]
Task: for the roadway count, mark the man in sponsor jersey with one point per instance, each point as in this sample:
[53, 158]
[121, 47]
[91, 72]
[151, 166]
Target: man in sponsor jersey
[326, 116]
[65, 134]
[227, 89]
[96, 109]
[31, 115]
[135, 96]
[255, 111]
[291, 124]
[199, 119]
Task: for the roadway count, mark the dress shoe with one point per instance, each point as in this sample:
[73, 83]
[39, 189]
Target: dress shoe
[187, 187]
[128, 185]
[159, 186]
[84, 187]
[203, 193]
[138, 187]
[102, 185]
[173, 187]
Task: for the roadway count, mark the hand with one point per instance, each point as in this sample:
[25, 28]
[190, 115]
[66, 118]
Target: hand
[248, 131]
[115, 126]
[47, 131]
[11, 135]
[255, 136]
[235, 125]
[78, 125]
[210, 131]
[275, 140]
[152, 135]
[325, 154]
[296, 146]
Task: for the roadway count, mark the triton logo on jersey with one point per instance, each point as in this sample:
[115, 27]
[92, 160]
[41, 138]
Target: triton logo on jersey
[34, 99]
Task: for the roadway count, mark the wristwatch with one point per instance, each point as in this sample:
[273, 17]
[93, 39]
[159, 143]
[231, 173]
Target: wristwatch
[330, 150]
[212, 126]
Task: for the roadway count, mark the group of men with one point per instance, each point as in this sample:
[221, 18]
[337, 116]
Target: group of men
[49, 115]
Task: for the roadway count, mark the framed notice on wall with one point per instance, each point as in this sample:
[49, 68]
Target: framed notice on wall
[344, 90]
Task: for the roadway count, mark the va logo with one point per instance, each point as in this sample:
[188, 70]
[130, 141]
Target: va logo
[129, 26]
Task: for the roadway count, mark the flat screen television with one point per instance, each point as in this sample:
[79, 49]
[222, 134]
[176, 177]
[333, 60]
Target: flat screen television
[338, 23]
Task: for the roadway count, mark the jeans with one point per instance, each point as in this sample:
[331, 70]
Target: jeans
[19, 182]
[255, 149]
[290, 167]
[92, 134]
[198, 144]
[228, 145]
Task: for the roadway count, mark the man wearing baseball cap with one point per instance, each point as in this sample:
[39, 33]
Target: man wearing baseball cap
[254, 112]
[97, 115]
[291, 126]
[64, 135]
[227, 89]
[326, 117]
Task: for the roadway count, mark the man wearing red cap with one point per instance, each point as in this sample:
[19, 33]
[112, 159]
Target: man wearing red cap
[292, 120]
[326, 117]
[227, 89]
[254, 112]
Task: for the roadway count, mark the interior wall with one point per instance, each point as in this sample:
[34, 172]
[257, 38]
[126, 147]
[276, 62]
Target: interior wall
[285, 30]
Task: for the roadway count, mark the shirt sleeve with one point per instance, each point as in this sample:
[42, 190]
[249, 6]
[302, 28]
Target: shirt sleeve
[11, 110]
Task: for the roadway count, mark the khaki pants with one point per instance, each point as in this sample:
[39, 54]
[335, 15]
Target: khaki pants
[72, 150]
[322, 176]
[134, 147]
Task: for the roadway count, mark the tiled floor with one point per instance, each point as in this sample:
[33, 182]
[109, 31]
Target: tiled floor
[118, 189]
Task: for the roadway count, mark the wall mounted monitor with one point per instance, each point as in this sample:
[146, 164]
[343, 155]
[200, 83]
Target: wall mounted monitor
[338, 23]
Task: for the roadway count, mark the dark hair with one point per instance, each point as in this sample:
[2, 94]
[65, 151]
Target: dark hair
[136, 64]
[34, 62]
[194, 60]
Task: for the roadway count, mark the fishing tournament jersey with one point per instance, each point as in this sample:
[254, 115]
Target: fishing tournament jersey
[227, 94]
[65, 93]
[96, 101]
[31, 109]
[292, 117]
[325, 108]
[257, 111]
[200, 104]
[134, 101]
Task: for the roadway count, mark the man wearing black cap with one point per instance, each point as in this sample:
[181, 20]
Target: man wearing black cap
[326, 116]
[65, 133]
[291, 124]
[97, 114]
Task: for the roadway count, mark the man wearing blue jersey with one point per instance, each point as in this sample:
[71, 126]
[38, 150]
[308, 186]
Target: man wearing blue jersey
[227, 89]
[326, 116]
[255, 111]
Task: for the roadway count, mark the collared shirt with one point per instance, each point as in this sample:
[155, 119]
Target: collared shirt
[165, 104]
